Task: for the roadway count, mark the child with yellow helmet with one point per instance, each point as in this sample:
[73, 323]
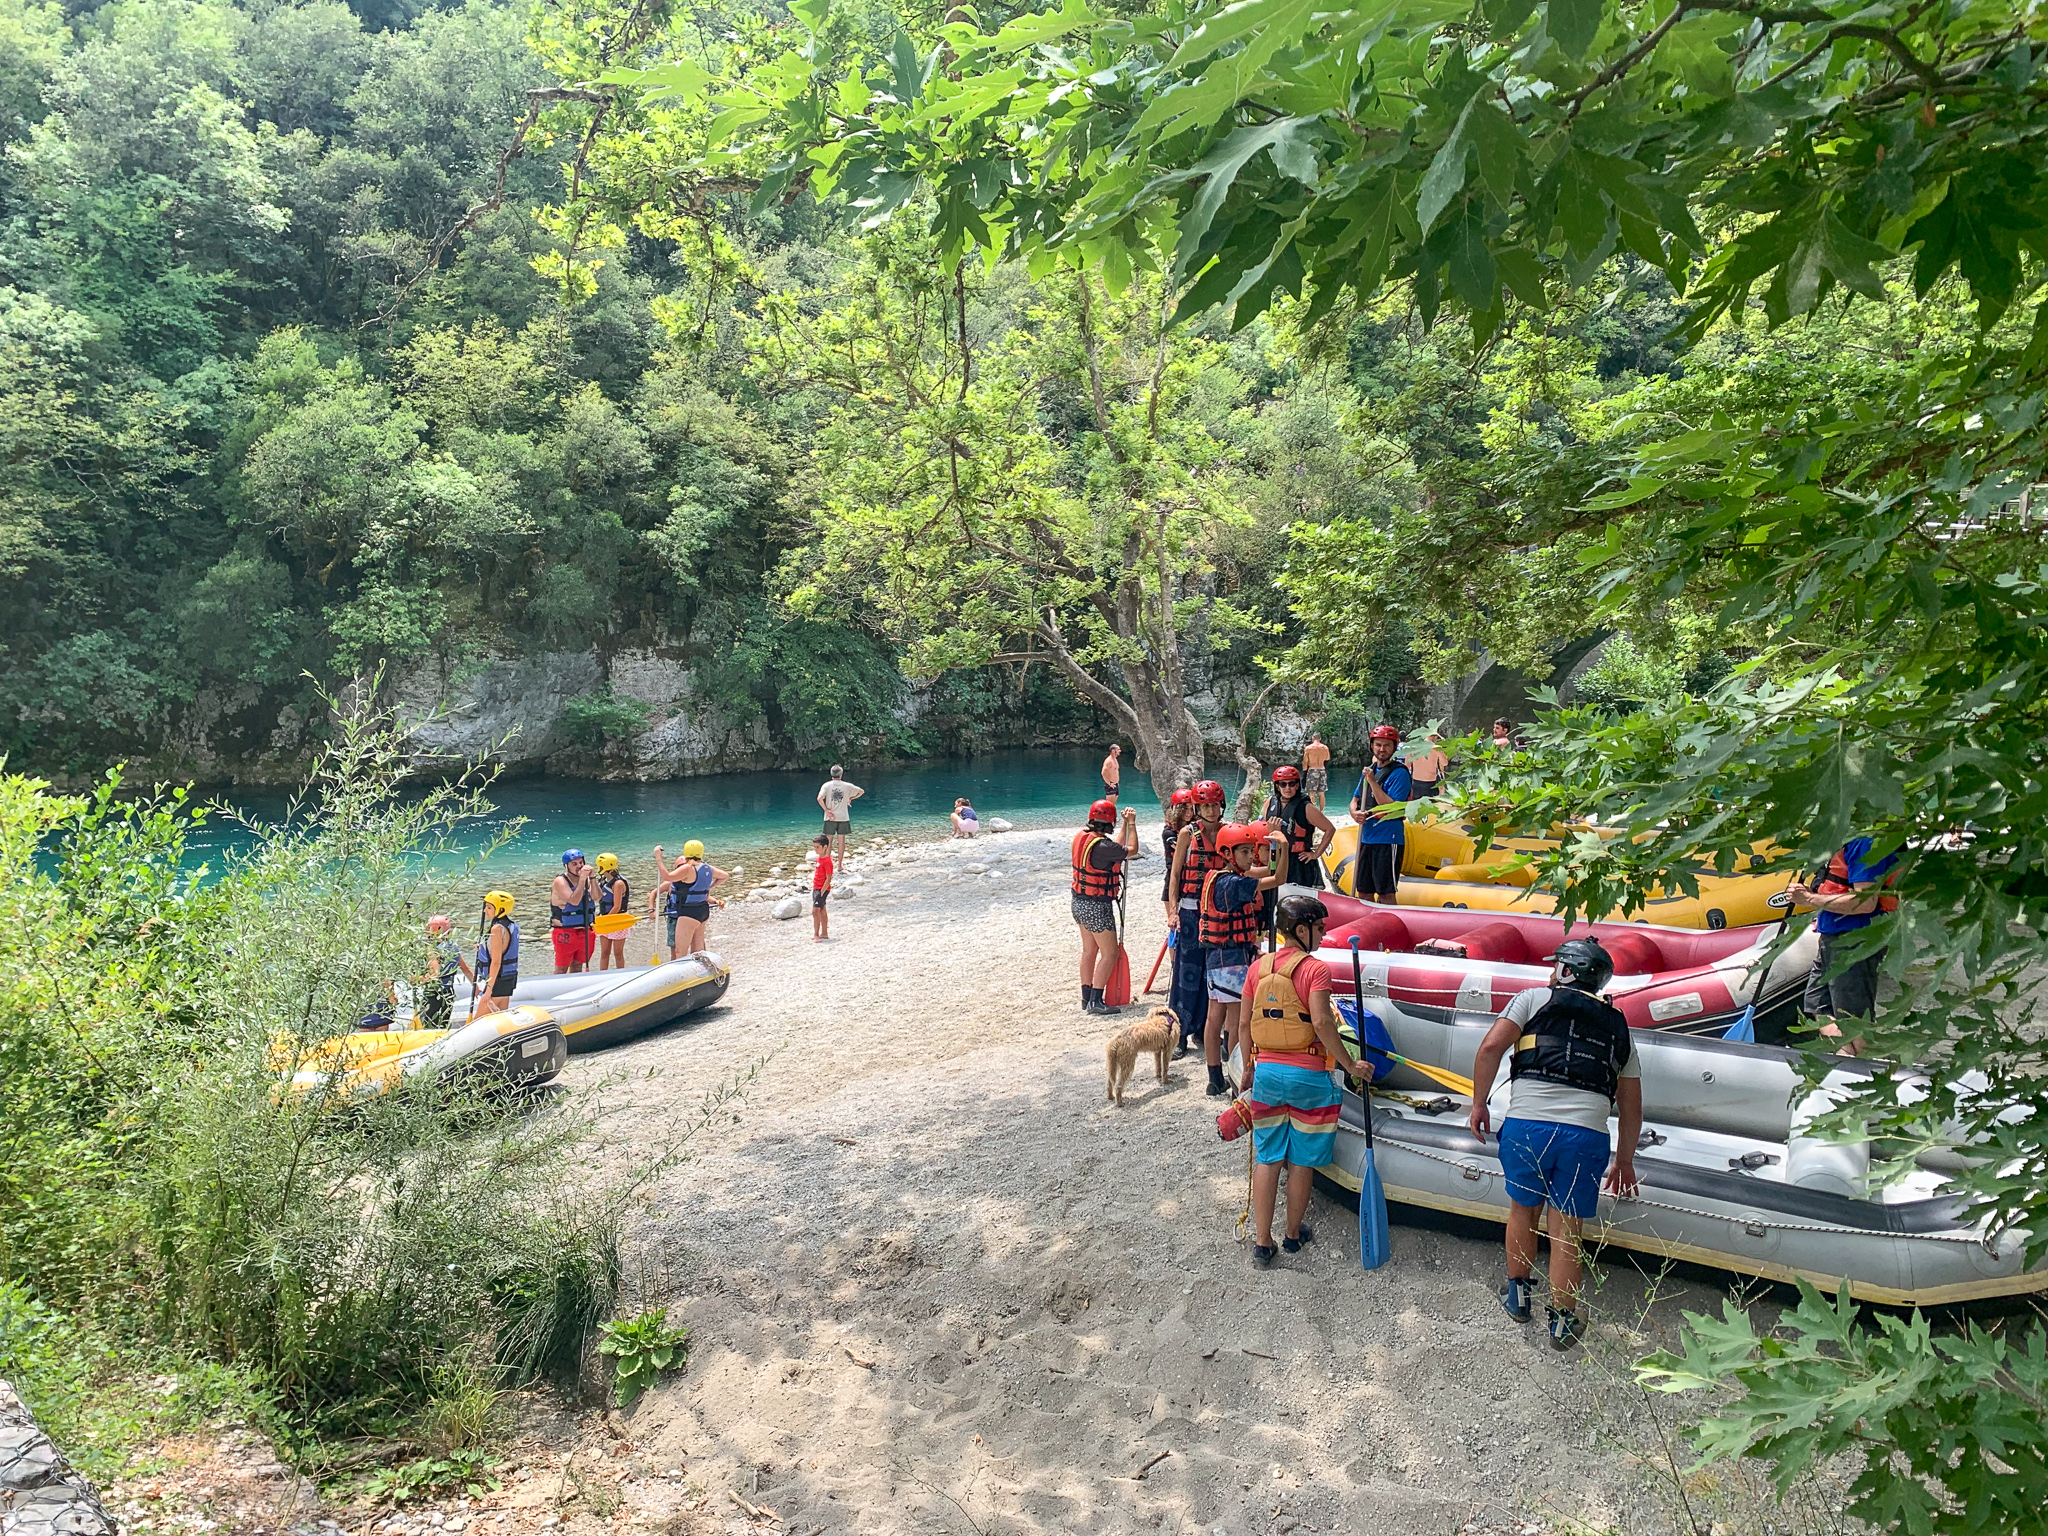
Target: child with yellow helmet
[614, 896]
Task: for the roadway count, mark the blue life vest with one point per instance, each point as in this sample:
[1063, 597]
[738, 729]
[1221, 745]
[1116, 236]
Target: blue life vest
[577, 916]
[699, 889]
[508, 968]
[604, 896]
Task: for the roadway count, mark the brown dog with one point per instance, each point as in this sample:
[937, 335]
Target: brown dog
[1154, 1034]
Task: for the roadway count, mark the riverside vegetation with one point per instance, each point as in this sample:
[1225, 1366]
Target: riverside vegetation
[383, 1269]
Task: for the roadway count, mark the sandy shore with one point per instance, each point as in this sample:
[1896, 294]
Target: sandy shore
[936, 1283]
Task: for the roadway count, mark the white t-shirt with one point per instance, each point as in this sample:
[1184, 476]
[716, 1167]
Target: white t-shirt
[1534, 1098]
[836, 795]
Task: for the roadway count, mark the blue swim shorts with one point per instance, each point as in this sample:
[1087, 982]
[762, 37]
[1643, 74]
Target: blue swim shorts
[1555, 1165]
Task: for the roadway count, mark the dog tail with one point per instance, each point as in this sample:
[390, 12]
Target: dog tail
[1110, 1053]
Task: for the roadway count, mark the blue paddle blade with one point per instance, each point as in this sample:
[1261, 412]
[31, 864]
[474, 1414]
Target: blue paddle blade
[1376, 1036]
[1375, 1248]
[1744, 1028]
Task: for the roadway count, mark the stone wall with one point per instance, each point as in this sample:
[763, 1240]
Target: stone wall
[40, 1493]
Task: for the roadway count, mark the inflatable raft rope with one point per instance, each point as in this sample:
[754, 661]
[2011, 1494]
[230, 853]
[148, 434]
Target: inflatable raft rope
[1729, 1179]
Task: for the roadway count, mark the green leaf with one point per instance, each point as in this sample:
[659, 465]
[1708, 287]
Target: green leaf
[1473, 278]
[1498, 144]
[1523, 274]
[1573, 24]
[1029, 31]
[1276, 23]
[1445, 178]
[677, 80]
[1222, 164]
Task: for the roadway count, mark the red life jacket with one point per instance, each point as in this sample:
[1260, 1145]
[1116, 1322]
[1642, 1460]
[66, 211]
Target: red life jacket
[1220, 929]
[1100, 884]
[1202, 858]
[1834, 881]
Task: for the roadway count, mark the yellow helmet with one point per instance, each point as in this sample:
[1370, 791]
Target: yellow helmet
[607, 862]
[498, 903]
[693, 849]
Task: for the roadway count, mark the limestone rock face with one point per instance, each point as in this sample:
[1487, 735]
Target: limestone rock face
[508, 708]
[40, 1493]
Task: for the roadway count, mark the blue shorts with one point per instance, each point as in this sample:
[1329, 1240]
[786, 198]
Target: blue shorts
[1555, 1165]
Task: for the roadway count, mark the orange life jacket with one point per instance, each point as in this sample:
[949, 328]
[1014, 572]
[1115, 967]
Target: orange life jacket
[1834, 881]
[1220, 929]
[1102, 884]
[1279, 1016]
[1203, 856]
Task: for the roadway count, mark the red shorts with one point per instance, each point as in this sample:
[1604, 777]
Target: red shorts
[573, 946]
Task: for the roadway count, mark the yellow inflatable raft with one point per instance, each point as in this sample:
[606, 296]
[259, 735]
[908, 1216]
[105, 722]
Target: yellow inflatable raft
[1442, 866]
[510, 1049]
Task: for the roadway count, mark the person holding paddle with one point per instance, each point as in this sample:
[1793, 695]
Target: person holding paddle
[572, 906]
[497, 958]
[614, 898]
[1098, 880]
[1195, 854]
[445, 961]
[1290, 1043]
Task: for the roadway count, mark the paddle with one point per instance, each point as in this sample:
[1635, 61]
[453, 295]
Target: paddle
[1375, 1248]
[1118, 992]
[1373, 1036]
[1163, 945]
[616, 922]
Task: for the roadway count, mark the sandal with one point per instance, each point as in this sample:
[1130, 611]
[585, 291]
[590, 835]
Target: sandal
[1296, 1244]
[1262, 1258]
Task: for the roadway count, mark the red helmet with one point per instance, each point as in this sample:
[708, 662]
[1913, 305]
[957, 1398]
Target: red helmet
[1287, 773]
[1102, 810]
[1385, 733]
[1208, 792]
[1182, 797]
[1235, 836]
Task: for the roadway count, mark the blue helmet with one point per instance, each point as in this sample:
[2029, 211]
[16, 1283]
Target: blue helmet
[572, 855]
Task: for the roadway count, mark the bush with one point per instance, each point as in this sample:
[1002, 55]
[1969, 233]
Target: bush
[604, 716]
[376, 1267]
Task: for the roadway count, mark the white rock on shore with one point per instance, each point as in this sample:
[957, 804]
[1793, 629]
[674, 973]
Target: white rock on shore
[789, 907]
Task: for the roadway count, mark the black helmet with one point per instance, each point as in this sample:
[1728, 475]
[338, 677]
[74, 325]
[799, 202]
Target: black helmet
[1582, 963]
[1296, 910]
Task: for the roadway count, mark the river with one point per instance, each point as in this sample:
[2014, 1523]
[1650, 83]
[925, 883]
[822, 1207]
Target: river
[747, 819]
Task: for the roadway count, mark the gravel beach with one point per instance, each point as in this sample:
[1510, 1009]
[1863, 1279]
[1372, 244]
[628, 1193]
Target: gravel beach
[935, 1282]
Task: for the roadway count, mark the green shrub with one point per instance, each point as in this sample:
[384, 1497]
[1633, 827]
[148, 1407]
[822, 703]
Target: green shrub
[604, 716]
[641, 1349]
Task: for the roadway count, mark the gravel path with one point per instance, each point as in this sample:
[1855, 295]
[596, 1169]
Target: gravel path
[936, 1283]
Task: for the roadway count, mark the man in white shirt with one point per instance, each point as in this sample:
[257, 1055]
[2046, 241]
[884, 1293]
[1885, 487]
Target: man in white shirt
[1574, 1064]
[835, 798]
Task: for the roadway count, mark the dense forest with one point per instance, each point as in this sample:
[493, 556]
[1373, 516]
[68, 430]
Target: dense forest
[299, 387]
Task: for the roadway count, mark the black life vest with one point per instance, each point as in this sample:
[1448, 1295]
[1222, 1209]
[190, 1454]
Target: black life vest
[1241, 928]
[1097, 884]
[1302, 868]
[1576, 1040]
[606, 906]
[1202, 857]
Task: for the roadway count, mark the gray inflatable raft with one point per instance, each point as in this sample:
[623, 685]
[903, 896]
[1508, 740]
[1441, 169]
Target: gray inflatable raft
[1727, 1178]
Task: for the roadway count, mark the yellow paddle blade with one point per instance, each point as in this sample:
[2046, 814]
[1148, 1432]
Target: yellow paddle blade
[1448, 1079]
[617, 922]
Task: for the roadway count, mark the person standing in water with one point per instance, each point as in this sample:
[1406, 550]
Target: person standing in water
[687, 888]
[1112, 771]
[614, 896]
[835, 798]
[445, 961]
[1315, 771]
[572, 906]
[497, 957]
[1308, 830]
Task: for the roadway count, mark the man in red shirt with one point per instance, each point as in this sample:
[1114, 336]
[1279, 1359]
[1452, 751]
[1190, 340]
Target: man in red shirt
[821, 889]
[1290, 1042]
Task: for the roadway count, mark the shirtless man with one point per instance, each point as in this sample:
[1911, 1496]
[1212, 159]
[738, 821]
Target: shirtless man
[1315, 770]
[1112, 771]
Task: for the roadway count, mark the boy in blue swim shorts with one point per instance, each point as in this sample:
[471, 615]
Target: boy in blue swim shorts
[1573, 1064]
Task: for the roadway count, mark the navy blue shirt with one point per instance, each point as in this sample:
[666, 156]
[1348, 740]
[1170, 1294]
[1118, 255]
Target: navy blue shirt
[1856, 855]
[1233, 891]
[1398, 783]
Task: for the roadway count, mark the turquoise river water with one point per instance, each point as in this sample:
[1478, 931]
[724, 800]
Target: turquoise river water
[750, 819]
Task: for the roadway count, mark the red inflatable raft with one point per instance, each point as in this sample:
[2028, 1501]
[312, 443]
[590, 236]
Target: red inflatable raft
[1693, 980]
